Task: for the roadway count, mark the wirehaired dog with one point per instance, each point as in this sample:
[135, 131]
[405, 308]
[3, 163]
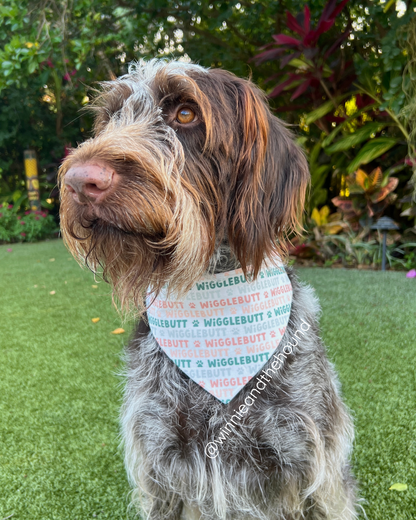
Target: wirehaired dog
[189, 174]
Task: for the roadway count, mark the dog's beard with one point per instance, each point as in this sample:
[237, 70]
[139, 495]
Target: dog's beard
[138, 247]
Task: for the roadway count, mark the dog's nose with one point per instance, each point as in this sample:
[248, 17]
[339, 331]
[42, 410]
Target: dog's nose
[90, 182]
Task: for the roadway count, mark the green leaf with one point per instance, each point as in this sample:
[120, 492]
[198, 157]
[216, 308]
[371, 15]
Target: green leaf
[395, 82]
[329, 138]
[365, 74]
[319, 112]
[357, 137]
[32, 67]
[324, 109]
[304, 64]
[314, 154]
[393, 170]
[302, 140]
[399, 487]
[319, 174]
[7, 64]
[16, 195]
[319, 197]
[300, 64]
[371, 151]
[386, 8]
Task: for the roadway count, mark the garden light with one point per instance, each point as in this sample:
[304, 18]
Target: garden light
[32, 181]
[384, 224]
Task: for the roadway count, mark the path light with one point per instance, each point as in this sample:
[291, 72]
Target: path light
[32, 181]
[384, 224]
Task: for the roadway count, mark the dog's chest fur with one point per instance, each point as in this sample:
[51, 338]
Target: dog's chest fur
[168, 419]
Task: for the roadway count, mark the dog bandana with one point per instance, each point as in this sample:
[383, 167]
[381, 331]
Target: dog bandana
[225, 329]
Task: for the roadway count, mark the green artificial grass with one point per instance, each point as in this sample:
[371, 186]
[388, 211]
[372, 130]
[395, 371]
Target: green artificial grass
[60, 393]
[60, 397]
[369, 326]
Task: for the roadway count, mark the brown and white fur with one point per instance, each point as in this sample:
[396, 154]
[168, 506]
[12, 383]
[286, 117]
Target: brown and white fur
[152, 200]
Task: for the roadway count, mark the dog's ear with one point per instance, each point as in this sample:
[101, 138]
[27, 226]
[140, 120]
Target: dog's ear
[271, 180]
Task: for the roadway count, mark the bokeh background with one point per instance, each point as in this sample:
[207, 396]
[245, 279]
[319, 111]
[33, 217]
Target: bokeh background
[342, 72]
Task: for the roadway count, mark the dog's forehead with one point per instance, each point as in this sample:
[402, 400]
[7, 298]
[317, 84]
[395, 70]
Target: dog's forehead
[147, 71]
[146, 76]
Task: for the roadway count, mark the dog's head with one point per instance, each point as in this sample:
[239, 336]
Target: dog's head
[183, 159]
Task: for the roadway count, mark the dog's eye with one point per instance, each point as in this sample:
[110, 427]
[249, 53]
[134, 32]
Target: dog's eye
[185, 116]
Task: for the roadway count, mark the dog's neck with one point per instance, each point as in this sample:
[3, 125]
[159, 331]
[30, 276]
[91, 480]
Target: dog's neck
[223, 260]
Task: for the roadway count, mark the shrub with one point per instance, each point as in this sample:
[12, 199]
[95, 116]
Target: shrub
[27, 227]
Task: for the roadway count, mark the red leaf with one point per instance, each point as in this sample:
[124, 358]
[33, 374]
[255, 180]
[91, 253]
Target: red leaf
[328, 10]
[363, 100]
[315, 82]
[269, 55]
[324, 26]
[383, 192]
[311, 38]
[267, 46]
[289, 108]
[307, 19]
[339, 8]
[279, 88]
[293, 24]
[301, 89]
[410, 161]
[334, 119]
[273, 76]
[344, 85]
[342, 204]
[283, 39]
[337, 43]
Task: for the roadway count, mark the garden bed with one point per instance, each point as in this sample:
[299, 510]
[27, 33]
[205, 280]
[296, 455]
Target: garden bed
[25, 226]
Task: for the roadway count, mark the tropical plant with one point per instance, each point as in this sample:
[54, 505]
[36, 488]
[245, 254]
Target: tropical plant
[308, 58]
[326, 223]
[348, 68]
[369, 195]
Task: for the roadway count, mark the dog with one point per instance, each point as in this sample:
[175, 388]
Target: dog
[190, 177]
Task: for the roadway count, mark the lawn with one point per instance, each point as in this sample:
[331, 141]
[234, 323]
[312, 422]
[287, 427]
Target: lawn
[60, 389]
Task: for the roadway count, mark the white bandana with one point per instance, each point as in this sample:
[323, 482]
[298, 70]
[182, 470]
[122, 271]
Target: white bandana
[226, 328]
